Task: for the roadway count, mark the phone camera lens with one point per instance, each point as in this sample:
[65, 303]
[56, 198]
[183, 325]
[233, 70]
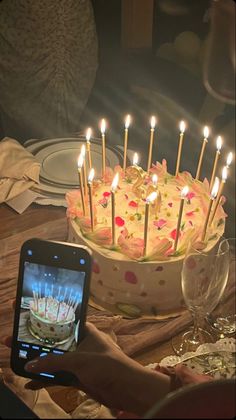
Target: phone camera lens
[30, 252]
[82, 261]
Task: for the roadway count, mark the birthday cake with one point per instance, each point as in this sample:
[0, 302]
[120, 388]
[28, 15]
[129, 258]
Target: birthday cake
[51, 321]
[128, 275]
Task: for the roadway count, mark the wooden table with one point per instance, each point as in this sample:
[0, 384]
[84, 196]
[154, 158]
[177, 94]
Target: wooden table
[45, 222]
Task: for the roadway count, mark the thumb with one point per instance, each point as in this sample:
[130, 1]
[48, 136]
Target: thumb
[188, 376]
[53, 363]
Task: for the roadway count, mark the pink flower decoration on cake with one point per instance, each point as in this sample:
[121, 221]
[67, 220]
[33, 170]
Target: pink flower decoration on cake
[106, 194]
[130, 277]
[170, 204]
[159, 168]
[161, 249]
[133, 204]
[74, 205]
[85, 223]
[103, 201]
[101, 236]
[119, 169]
[132, 247]
[160, 223]
[119, 221]
[173, 234]
[108, 176]
[190, 195]
[190, 213]
[220, 213]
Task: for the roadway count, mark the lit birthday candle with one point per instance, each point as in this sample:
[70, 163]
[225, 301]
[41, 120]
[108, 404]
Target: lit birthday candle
[220, 191]
[153, 186]
[204, 143]
[103, 130]
[153, 124]
[127, 124]
[90, 187]
[140, 176]
[136, 168]
[80, 165]
[183, 195]
[113, 190]
[152, 197]
[64, 297]
[212, 199]
[181, 137]
[69, 298]
[154, 181]
[157, 204]
[229, 159]
[88, 146]
[135, 159]
[58, 309]
[35, 296]
[83, 152]
[218, 149]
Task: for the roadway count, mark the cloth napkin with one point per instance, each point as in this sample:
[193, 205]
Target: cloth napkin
[19, 170]
[134, 335]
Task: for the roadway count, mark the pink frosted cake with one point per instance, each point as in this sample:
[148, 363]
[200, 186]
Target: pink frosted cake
[122, 276]
[51, 321]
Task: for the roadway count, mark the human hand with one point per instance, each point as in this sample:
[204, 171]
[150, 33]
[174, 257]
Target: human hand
[106, 373]
[181, 375]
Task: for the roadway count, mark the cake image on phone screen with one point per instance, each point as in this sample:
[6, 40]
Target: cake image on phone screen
[50, 306]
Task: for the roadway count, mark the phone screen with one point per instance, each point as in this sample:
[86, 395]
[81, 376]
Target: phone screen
[51, 302]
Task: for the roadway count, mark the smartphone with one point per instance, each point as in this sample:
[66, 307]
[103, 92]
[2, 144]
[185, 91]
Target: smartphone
[51, 304]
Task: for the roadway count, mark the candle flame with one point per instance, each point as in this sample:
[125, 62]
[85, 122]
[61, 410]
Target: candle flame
[215, 188]
[127, 121]
[135, 159]
[184, 191]
[219, 143]
[88, 134]
[151, 197]
[224, 173]
[229, 159]
[80, 161]
[182, 126]
[206, 132]
[153, 122]
[91, 175]
[83, 150]
[115, 182]
[154, 179]
[103, 126]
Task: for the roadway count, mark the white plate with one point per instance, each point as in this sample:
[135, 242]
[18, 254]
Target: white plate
[58, 158]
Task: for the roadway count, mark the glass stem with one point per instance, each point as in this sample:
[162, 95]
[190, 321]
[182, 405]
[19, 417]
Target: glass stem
[197, 318]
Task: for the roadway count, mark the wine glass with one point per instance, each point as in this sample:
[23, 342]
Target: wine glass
[223, 318]
[203, 279]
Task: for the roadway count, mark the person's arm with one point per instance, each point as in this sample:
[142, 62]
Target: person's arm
[107, 374]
